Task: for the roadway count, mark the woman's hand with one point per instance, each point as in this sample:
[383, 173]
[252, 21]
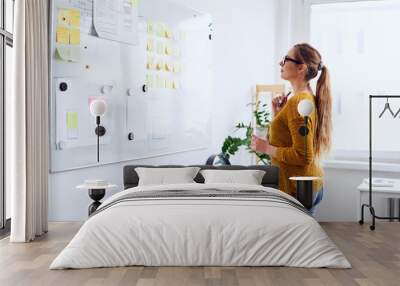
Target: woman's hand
[278, 102]
[262, 146]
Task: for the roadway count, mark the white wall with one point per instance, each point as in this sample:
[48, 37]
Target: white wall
[291, 23]
[244, 49]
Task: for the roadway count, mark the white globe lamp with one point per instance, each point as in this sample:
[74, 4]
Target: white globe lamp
[98, 107]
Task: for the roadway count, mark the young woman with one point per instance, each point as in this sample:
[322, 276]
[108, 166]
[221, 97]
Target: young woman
[285, 144]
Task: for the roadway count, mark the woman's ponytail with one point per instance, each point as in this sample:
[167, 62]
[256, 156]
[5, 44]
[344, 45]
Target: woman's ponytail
[324, 108]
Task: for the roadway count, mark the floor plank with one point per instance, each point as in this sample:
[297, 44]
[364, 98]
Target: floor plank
[374, 255]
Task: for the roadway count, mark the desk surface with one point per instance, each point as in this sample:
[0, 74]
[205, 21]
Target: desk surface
[394, 189]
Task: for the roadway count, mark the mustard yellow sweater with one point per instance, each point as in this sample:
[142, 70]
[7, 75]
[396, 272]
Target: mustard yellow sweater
[290, 156]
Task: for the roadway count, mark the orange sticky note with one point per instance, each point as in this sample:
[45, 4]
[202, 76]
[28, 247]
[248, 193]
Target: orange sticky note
[74, 37]
[62, 35]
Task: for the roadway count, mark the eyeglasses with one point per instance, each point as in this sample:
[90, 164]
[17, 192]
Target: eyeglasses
[289, 59]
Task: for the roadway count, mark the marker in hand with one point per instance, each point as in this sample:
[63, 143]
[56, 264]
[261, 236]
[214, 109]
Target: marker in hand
[282, 100]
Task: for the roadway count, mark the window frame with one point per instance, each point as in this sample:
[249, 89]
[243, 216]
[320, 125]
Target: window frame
[6, 39]
[355, 155]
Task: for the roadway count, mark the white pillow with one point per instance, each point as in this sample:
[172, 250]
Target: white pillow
[165, 176]
[248, 177]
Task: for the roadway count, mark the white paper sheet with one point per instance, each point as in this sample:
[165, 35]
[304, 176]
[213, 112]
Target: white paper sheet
[116, 20]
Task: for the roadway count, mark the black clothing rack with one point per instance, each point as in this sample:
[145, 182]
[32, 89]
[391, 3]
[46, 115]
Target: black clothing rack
[369, 205]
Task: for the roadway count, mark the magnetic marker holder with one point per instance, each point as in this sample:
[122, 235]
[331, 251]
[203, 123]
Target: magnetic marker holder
[63, 86]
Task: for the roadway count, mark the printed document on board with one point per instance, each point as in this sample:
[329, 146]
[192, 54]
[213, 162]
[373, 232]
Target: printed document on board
[116, 20]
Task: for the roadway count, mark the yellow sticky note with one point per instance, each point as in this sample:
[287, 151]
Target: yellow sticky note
[150, 63]
[74, 36]
[168, 50]
[168, 67]
[175, 84]
[168, 33]
[160, 65]
[72, 120]
[150, 45]
[63, 17]
[62, 35]
[75, 17]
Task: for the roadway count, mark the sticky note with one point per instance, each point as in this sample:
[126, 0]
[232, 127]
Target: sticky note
[176, 52]
[150, 63]
[74, 37]
[72, 120]
[62, 53]
[168, 67]
[150, 81]
[74, 54]
[150, 45]
[71, 54]
[176, 68]
[62, 35]
[63, 16]
[168, 50]
[160, 30]
[168, 33]
[168, 83]
[159, 65]
[75, 17]
[175, 84]
[150, 28]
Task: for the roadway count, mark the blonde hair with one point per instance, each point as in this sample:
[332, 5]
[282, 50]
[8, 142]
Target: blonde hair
[323, 98]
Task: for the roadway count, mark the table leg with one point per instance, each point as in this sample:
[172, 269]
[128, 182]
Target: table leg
[304, 193]
[96, 195]
[391, 208]
[398, 208]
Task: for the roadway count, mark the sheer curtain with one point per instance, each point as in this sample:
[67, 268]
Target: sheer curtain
[27, 117]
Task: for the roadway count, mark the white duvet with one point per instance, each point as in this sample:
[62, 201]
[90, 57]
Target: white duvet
[200, 231]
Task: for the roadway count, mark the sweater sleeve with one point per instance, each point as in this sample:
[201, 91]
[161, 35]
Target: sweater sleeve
[295, 155]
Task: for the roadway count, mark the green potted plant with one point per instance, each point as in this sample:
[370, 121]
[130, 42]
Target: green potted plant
[232, 144]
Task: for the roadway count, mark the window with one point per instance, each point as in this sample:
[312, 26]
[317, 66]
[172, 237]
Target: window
[6, 44]
[360, 47]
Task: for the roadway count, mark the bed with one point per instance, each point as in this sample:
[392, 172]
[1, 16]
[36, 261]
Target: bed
[201, 224]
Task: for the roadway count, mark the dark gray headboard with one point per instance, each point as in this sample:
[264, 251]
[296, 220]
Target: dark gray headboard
[270, 179]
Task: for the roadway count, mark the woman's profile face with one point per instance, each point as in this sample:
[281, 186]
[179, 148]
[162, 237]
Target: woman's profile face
[290, 66]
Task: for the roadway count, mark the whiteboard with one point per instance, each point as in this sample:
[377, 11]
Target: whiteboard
[168, 50]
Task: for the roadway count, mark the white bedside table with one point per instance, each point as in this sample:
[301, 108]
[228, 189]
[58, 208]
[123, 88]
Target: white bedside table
[96, 190]
[392, 193]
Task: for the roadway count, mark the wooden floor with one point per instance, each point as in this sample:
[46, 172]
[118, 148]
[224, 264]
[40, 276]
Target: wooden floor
[375, 257]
